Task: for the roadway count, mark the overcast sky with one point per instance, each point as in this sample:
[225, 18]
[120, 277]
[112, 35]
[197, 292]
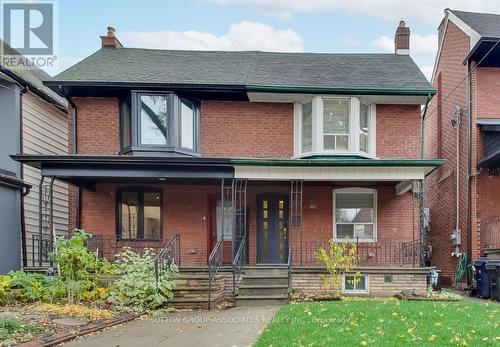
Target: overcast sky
[269, 25]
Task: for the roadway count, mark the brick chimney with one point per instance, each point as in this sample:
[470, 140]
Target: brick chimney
[402, 39]
[110, 40]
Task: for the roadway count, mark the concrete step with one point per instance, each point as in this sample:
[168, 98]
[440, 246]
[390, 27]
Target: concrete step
[251, 300]
[260, 271]
[264, 279]
[263, 290]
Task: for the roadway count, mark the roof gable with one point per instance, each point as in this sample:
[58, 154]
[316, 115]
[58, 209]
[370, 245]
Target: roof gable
[485, 24]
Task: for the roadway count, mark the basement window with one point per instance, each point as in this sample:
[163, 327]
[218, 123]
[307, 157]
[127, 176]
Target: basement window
[352, 286]
[334, 126]
[159, 123]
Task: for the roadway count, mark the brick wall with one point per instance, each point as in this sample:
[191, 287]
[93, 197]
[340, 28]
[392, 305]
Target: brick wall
[440, 185]
[98, 125]
[186, 212]
[311, 282]
[398, 131]
[246, 129]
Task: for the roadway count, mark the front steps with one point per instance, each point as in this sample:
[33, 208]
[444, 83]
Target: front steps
[263, 285]
[191, 288]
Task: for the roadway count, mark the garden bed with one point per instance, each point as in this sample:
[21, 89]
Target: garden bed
[49, 324]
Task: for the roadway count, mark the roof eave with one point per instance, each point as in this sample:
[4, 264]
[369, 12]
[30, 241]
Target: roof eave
[328, 90]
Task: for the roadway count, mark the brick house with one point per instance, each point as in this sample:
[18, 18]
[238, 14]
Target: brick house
[250, 158]
[463, 122]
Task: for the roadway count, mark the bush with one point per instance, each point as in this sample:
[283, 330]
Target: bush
[340, 258]
[13, 331]
[136, 288]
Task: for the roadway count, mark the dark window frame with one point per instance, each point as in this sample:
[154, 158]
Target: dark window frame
[174, 144]
[140, 212]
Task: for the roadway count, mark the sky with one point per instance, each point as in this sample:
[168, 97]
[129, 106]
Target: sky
[332, 26]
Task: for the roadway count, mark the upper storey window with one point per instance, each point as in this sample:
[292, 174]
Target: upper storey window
[159, 123]
[334, 125]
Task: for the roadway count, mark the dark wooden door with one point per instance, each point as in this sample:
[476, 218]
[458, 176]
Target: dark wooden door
[272, 228]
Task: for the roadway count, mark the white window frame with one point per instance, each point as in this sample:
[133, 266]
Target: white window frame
[375, 217]
[356, 291]
[317, 128]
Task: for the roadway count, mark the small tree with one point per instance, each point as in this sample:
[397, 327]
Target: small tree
[341, 257]
[75, 260]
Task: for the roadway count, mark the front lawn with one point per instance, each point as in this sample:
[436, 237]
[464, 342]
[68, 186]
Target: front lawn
[389, 322]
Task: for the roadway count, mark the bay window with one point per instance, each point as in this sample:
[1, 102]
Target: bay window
[327, 125]
[160, 123]
[355, 214]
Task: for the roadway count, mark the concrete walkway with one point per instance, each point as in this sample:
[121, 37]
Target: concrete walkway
[239, 326]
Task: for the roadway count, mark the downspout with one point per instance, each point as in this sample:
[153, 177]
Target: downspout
[24, 246]
[74, 150]
[469, 164]
[421, 190]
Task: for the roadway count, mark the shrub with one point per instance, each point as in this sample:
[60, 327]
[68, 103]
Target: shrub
[13, 331]
[6, 295]
[75, 262]
[136, 288]
[341, 257]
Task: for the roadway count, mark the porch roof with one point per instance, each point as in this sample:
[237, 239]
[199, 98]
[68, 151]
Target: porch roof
[84, 168]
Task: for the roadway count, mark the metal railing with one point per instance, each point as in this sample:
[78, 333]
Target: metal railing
[289, 263]
[214, 263]
[490, 234]
[108, 246]
[41, 249]
[169, 254]
[238, 262]
[381, 253]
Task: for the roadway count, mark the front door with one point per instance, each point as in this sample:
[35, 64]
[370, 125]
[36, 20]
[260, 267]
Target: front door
[272, 228]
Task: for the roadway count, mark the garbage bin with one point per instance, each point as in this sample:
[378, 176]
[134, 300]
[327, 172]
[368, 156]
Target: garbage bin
[491, 270]
[483, 283]
[495, 281]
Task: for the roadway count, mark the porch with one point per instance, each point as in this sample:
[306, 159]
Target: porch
[221, 217]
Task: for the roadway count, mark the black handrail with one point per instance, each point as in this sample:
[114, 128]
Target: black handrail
[214, 263]
[289, 271]
[170, 253]
[238, 262]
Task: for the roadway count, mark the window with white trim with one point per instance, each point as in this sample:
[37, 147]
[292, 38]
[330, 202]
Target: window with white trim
[352, 285]
[355, 214]
[327, 125]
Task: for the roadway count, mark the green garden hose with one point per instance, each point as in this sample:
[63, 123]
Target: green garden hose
[463, 268]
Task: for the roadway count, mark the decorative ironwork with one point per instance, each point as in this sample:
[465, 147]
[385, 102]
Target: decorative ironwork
[217, 255]
[41, 249]
[296, 187]
[289, 263]
[239, 209]
[45, 223]
[238, 262]
[380, 253]
[169, 254]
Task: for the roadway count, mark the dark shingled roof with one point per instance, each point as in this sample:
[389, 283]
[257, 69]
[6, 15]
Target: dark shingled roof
[485, 24]
[33, 77]
[247, 69]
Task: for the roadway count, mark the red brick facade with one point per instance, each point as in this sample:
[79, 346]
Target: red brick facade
[246, 129]
[441, 141]
[186, 212]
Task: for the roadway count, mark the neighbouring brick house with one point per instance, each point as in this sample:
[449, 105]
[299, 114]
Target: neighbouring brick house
[251, 158]
[465, 109]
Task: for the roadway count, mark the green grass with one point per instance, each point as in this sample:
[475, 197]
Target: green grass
[384, 323]
[13, 331]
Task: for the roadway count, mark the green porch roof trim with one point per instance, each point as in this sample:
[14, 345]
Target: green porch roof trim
[348, 91]
[336, 161]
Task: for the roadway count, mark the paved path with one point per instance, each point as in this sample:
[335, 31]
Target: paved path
[238, 326]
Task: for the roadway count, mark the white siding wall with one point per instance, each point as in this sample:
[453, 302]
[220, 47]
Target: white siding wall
[45, 131]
